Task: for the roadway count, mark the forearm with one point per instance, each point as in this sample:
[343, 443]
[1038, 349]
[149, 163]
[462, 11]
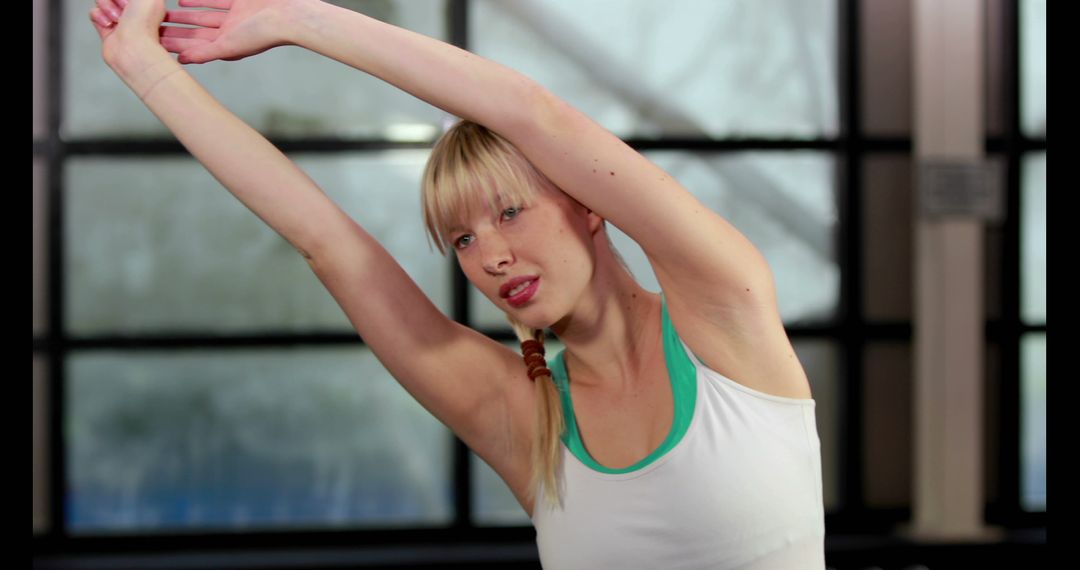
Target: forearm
[238, 156]
[443, 75]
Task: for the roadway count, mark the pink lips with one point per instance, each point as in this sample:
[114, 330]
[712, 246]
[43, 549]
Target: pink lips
[526, 294]
[504, 291]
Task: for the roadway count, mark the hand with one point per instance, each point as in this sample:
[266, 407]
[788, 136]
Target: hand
[245, 28]
[126, 26]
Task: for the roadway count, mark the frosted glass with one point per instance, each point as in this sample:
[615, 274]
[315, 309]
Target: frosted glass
[493, 502]
[41, 65]
[820, 360]
[158, 245]
[40, 411]
[1033, 422]
[284, 92]
[276, 439]
[886, 411]
[886, 237]
[41, 251]
[885, 66]
[785, 203]
[1033, 67]
[996, 30]
[679, 68]
[1033, 239]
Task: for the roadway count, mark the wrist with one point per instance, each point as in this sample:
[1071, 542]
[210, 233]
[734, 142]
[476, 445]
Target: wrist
[143, 67]
[128, 57]
[305, 18]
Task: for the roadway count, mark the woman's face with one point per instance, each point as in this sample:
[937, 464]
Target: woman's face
[550, 239]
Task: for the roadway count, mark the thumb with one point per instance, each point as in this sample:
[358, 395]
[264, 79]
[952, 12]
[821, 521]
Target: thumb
[192, 56]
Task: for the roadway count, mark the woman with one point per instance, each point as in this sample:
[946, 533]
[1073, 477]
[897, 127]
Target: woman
[695, 448]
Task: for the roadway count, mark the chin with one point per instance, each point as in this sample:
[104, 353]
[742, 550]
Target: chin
[529, 318]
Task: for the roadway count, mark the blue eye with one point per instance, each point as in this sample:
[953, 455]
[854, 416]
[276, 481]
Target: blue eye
[508, 213]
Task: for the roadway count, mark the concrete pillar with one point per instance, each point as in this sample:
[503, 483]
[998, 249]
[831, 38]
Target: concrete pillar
[948, 494]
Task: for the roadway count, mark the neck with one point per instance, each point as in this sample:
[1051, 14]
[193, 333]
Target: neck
[613, 334]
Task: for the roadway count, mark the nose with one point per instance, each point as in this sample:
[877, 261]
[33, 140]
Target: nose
[495, 252]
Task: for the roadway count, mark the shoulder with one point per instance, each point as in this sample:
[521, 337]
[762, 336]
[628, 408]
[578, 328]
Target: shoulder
[746, 342]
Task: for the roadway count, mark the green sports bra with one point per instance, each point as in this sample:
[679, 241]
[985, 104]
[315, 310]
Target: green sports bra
[683, 376]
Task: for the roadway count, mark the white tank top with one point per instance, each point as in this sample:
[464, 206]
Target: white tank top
[736, 484]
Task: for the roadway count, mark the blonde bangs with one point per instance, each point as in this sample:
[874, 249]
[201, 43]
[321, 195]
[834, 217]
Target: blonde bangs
[472, 169]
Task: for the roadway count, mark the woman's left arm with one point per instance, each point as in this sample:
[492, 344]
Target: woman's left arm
[444, 75]
[696, 254]
[717, 283]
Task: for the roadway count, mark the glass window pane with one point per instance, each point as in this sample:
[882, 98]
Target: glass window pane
[40, 411]
[678, 68]
[992, 406]
[273, 439]
[995, 22]
[41, 252]
[887, 425]
[41, 60]
[821, 361]
[885, 66]
[785, 203]
[157, 244]
[1033, 422]
[298, 93]
[1033, 67]
[493, 502]
[1033, 239]
[993, 249]
[886, 239]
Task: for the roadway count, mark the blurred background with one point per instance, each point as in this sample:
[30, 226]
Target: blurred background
[200, 400]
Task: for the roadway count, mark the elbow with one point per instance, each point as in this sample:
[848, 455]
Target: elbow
[304, 253]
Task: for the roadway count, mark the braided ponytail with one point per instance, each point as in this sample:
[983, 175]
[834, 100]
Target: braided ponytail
[549, 417]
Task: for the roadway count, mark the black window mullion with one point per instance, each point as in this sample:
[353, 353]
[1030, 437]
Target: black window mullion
[57, 341]
[458, 21]
[1009, 465]
[852, 323]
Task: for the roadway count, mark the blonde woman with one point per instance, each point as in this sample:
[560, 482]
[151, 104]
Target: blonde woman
[674, 431]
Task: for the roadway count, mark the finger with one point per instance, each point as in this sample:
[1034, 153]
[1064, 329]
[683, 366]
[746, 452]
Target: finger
[219, 4]
[179, 45]
[101, 22]
[109, 9]
[189, 33]
[196, 18]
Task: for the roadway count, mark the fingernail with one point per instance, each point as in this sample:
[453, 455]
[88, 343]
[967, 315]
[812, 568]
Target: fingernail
[115, 14]
[122, 3]
[101, 19]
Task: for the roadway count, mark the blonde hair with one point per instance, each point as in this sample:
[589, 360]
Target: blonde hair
[472, 167]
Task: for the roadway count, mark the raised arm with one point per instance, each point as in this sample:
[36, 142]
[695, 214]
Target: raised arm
[434, 358]
[445, 76]
[697, 255]
[240, 158]
[717, 282]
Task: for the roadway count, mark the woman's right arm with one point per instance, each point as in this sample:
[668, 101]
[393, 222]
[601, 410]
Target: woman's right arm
[238, 156]
[465, 379]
